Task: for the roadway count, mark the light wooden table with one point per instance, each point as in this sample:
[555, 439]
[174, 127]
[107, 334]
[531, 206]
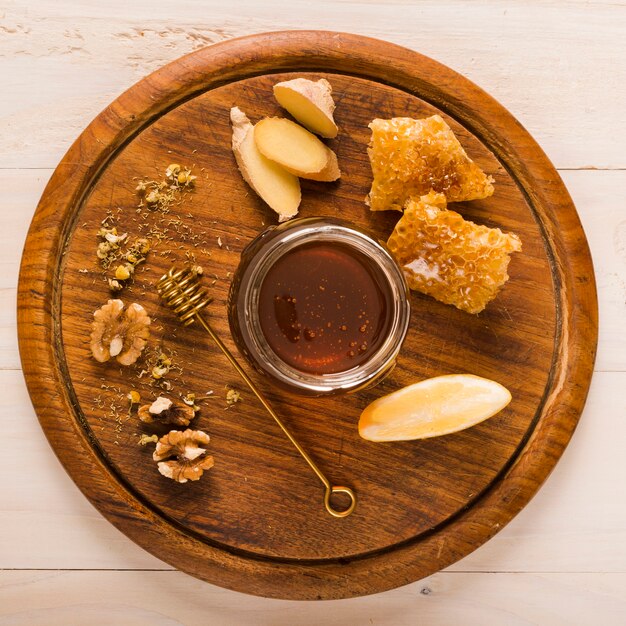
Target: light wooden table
[560, 68]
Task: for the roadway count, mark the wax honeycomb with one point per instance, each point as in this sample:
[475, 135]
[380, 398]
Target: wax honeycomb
[449, 258]
[410, 157]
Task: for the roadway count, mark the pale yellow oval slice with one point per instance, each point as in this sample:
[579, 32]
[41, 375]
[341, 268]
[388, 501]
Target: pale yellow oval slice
[433, 407]
[310, 102]
[291, 146]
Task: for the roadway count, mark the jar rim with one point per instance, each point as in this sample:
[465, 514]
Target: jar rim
[259, 257]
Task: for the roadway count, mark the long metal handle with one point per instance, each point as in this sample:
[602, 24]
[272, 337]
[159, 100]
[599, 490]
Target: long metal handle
[329, 489]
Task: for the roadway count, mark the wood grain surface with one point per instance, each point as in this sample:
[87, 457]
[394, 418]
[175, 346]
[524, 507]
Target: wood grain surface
[260, 510]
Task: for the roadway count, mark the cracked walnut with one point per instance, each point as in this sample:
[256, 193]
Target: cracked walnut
[118, 332]
[164, 411]
[180, 457]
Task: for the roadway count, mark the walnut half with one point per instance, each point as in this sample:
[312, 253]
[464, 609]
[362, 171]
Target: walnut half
[180, 456]
[164, 411]
[119, 333]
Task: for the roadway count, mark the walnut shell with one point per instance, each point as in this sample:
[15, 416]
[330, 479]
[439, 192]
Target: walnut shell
[164, 411]
[119, 333]
[190, 460]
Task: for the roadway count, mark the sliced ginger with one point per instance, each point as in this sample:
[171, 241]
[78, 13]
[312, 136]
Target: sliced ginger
[296, 149]
[310, 102]
[273, 184]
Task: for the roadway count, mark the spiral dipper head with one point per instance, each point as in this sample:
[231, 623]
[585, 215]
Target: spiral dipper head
[179, 290]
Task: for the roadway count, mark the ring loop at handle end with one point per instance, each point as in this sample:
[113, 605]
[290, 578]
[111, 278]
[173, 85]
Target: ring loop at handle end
[330, 491]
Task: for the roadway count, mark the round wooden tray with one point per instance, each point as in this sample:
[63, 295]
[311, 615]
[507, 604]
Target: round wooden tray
[256, 522]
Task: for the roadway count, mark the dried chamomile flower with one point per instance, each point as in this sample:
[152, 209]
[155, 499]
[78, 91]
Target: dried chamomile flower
[164, 411]
[161, 367]
[118, 332]
[146, 439]
[180, 176]
[110, 235]
[172, 170]
[109, 246]
[137, 252]
[185, 178]
[190, 400]
[133, 397]
[160, 195]
[180, 456]
[103, 249]
[153, 197]
[115, 285]
[134, 255]
[123, 272]
[232, 396]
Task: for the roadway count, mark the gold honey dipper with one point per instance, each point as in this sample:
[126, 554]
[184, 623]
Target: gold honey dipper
[179, 290]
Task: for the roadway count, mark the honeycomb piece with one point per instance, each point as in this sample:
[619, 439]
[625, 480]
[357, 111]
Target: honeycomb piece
[410, 157]
[453, 260]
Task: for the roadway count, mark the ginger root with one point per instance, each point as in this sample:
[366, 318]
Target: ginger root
[273, 184]
[296, 149]
[310, 102]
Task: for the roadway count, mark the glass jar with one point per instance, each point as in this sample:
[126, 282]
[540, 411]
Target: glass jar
[319, 306]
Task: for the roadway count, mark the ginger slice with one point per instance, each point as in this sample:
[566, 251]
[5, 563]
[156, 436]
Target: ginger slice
[273, 184]
[410, 157]
[454, 260]
[310, 102]
[296, 149]
[330, 173]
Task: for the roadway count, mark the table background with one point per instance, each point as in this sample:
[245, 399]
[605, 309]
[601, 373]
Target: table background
[560, 68]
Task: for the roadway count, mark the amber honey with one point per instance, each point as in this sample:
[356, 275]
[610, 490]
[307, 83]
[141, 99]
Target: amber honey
[318, 306]
[324, 307]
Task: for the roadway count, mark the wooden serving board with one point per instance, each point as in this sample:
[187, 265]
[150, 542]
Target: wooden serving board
[256, 522]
